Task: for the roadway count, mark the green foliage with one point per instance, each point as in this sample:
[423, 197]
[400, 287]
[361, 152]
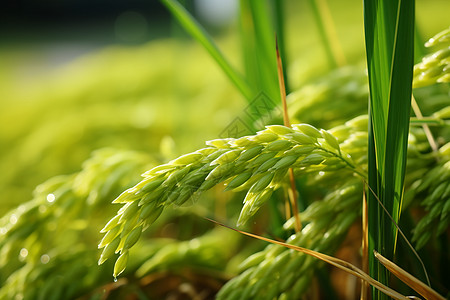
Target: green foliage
[110, 98]
[311, 103]
[253, 164]
[435, 67]
[258, 44]
[211, 250]
[162, 245]
[281, 273]
[191, 26]
[389, 32]
[435, 185]
[265, 157]
[47, 241]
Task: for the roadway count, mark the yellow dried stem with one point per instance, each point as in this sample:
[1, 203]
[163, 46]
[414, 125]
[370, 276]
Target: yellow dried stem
[365, 247]
[338, 263]
[292, 191]
[407, 278]
[425, 127]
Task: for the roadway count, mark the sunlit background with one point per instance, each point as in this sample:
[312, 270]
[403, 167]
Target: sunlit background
[77, 76]
[80, 75]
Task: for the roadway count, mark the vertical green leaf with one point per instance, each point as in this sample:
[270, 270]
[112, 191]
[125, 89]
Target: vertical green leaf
[258, 47]
[389, 32]
[200, 34]
[278, 8]
[258, 44]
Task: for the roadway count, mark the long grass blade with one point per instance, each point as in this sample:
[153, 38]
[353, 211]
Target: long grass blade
[338, 263]
[389, 32]
[407, 278]
[200, 34]
[257, 36]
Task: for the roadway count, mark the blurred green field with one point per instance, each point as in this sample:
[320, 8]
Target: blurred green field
[53, 115]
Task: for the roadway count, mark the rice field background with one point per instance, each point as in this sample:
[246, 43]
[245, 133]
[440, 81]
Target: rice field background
[86, 109]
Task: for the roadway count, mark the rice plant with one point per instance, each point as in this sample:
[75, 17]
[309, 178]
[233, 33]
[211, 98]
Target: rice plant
[365, 168]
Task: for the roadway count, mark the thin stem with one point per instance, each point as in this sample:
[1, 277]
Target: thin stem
[365, 246]
[287, 207]
[430, 121]
[282, 86]
[402, 234]
[292, 191]
[338, 263]
[425, 126]
[293, 198]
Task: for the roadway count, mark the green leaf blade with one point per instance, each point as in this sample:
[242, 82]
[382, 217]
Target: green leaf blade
[200, 34]
[389, 29]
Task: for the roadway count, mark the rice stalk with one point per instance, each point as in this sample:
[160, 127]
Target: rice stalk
[46, 248]
[364, 248]
[258, 164]
[343, 265]
[292, 192]
[331, 100]
[435, 67]
[327, 224]
[389, 36]
[437, 201]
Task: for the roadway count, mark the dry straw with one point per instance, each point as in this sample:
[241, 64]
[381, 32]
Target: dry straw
[327, 223]
[258, 164]
[407, 278]
[338, 263]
